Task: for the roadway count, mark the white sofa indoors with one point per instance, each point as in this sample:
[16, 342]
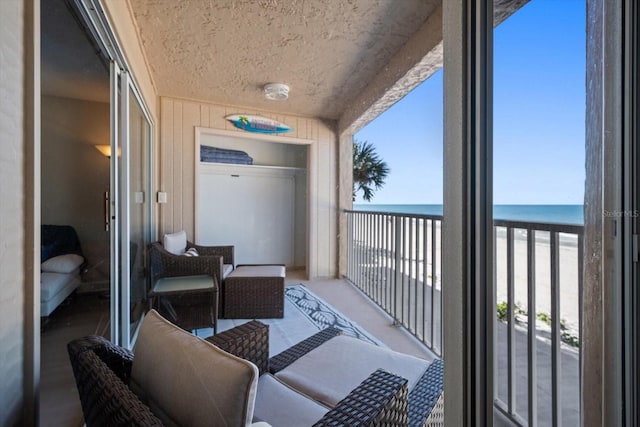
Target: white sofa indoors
[61, 261]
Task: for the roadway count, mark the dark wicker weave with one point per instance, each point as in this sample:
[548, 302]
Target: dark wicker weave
[226, 252]
[102, 372]
[362, 406]
[425, 394]
[436, 417]
[293, 353]
[253, 297]
[210, 261]
[189, 310]
[249, 341]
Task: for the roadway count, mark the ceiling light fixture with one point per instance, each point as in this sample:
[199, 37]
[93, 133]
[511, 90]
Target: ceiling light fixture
[276, 91]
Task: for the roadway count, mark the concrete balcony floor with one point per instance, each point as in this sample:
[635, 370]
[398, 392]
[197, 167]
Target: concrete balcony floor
[347, 299]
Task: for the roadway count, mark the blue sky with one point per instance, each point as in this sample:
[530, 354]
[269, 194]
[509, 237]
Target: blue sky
[539, 107]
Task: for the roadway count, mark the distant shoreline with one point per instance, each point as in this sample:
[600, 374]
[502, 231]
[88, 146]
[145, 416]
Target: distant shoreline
[561, 214]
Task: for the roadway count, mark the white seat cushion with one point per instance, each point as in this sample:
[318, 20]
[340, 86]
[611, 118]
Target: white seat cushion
[332, 370]
[281, 406]
[226, 270]
[258, 271]
[187, 381]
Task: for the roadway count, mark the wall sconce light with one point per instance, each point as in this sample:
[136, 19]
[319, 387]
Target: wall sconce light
[105, 150]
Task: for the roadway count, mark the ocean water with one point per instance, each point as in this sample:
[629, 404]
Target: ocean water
[562, 214]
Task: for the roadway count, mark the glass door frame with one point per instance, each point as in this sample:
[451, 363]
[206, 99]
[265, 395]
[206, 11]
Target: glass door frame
[128, 95]
[123, 85]
[114, 215]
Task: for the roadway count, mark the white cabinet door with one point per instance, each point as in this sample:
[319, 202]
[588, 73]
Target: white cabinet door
[251, 208]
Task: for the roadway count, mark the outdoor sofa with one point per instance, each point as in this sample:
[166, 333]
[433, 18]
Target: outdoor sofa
[179, 379]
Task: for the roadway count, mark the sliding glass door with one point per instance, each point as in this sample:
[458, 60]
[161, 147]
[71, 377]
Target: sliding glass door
[139, 201]
[130, 207]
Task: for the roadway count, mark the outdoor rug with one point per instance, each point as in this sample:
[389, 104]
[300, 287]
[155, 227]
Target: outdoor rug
[323, 315]
[304, 314]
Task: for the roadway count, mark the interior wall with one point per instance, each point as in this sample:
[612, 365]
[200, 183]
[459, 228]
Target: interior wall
[75, 177]
[13, 335]
[178, 120]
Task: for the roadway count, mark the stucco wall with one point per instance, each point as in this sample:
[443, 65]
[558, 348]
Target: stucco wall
[178, 120]
[12, 256]
[75, 175]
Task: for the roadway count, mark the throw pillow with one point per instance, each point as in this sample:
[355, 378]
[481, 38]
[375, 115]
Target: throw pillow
[175, 243]
[62, 264]
[188, 381]
[191, 252]
[46, 251]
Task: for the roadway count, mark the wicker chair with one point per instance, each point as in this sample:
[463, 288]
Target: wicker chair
[189, 308]
[425, 400]
[102, 372]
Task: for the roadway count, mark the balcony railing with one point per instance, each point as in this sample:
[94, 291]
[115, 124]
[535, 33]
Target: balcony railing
[396, 260]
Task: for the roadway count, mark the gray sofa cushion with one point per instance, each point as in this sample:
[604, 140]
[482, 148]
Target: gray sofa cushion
[331, 371]
[281, 406]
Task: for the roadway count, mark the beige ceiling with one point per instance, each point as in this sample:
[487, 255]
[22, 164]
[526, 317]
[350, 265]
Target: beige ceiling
[225, 51]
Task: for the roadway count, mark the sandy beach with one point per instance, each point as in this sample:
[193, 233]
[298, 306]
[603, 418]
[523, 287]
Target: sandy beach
[417, 242]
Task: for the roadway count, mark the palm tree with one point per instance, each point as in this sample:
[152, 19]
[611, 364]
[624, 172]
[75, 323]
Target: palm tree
[369, 171]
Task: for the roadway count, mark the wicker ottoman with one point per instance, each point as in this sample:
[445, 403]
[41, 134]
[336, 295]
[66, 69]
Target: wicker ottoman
[254, 292]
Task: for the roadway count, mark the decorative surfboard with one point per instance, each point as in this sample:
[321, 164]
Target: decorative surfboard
[257, 124]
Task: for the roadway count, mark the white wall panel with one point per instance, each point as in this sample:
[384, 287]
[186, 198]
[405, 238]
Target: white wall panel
[252, 208]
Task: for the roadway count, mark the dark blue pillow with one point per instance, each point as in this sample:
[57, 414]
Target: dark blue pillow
[45, 252]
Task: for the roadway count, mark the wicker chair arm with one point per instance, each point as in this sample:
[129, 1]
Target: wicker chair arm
[226, 252]
[166, 264]
[425, 395]
[293, 353]
[380, 400]
[249, 341]
[105, 397]
[117, 358]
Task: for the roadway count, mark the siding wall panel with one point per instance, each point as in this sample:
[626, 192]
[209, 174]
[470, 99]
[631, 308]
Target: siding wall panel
[191, 120]
[177, 168]
[301, 128]
[166, 150]
[176, 201]
[204, 115]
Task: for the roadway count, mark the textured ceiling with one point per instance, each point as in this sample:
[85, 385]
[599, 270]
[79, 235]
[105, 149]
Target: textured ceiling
[225, 51]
